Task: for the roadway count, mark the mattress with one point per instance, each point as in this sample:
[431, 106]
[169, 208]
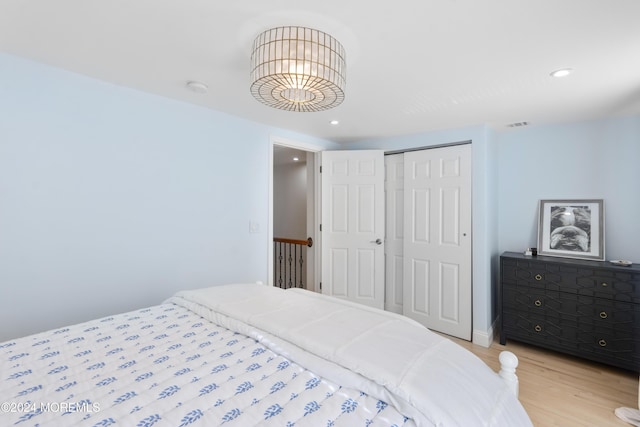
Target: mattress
[249, 355]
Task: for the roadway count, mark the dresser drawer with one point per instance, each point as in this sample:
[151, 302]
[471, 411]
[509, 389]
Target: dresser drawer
[613, 284]
[612, 346]
[601, 282]
[538, 329]
[563, 306]
[531, 274]
[609, 346]
[528, 301]
[605, 345]
[610, 314]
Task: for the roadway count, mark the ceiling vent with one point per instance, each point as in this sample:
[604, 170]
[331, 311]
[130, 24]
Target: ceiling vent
[518, 124]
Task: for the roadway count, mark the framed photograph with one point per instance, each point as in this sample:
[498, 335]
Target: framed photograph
[571, 228]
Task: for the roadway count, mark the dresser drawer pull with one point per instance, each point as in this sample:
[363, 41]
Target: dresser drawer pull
[603, 315]
[602, 343]
[604, 284]
[537, 328]
[538, 277]
[537, 303]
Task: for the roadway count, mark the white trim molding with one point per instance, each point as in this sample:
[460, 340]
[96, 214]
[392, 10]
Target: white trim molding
[484, 338]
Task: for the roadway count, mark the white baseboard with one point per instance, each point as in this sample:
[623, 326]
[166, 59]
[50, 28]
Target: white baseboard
[484, 338]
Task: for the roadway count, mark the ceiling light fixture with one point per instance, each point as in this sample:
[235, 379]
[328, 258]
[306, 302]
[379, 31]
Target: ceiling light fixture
[334, 122]
[298, 69]
[563, 72]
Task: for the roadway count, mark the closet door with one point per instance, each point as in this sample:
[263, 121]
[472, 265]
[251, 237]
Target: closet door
[437, 239]
[394, 231]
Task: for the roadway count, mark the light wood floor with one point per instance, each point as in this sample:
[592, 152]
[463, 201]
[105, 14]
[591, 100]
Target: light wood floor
[565, 391]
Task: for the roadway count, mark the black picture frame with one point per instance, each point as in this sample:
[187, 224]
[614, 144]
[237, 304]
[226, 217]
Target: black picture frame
[572, 228]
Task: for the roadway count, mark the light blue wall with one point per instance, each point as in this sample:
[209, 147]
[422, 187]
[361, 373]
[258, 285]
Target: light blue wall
[597, 159]
[112, 199]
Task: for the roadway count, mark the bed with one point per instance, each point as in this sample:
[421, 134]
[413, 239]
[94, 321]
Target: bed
[249, 354]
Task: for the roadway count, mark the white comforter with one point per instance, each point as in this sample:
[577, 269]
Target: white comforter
[249, 355]
[425, 376]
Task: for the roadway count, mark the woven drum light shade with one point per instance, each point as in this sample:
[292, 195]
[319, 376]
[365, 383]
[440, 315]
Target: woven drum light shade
[298, 69]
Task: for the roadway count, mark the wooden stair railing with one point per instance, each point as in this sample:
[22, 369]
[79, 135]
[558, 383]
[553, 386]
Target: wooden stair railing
[289, 259]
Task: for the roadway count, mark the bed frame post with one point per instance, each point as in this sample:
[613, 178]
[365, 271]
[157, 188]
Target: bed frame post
[508, 365]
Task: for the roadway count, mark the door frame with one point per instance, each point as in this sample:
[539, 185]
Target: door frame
[313, 222]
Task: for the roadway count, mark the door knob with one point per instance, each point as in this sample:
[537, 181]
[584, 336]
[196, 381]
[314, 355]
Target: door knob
[377, 241]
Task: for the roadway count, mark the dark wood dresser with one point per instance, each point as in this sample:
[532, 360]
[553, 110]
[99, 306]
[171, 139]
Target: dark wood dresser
[589, 309]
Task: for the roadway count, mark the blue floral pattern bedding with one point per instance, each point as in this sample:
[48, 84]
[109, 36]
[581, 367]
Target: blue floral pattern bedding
[167, 366]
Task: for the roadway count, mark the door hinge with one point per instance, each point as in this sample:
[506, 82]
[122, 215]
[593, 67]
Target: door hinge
[320, 169]
[320, 227]
[320, 285]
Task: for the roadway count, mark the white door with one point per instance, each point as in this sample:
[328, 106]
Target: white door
[353, 225]
[394, 231]
[437, 231]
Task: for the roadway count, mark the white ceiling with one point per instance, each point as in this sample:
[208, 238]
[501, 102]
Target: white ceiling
[283, 156]
[412, 65]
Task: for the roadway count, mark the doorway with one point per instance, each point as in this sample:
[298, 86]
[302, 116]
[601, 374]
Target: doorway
[292, 210]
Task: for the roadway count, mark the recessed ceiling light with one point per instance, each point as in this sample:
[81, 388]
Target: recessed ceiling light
[295, 159]
[197, 86]
[563, 72]
[334, 122]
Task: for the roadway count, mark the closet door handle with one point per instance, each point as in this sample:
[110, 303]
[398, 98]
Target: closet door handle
[603, 315]
[538, 277]
[377, 241]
